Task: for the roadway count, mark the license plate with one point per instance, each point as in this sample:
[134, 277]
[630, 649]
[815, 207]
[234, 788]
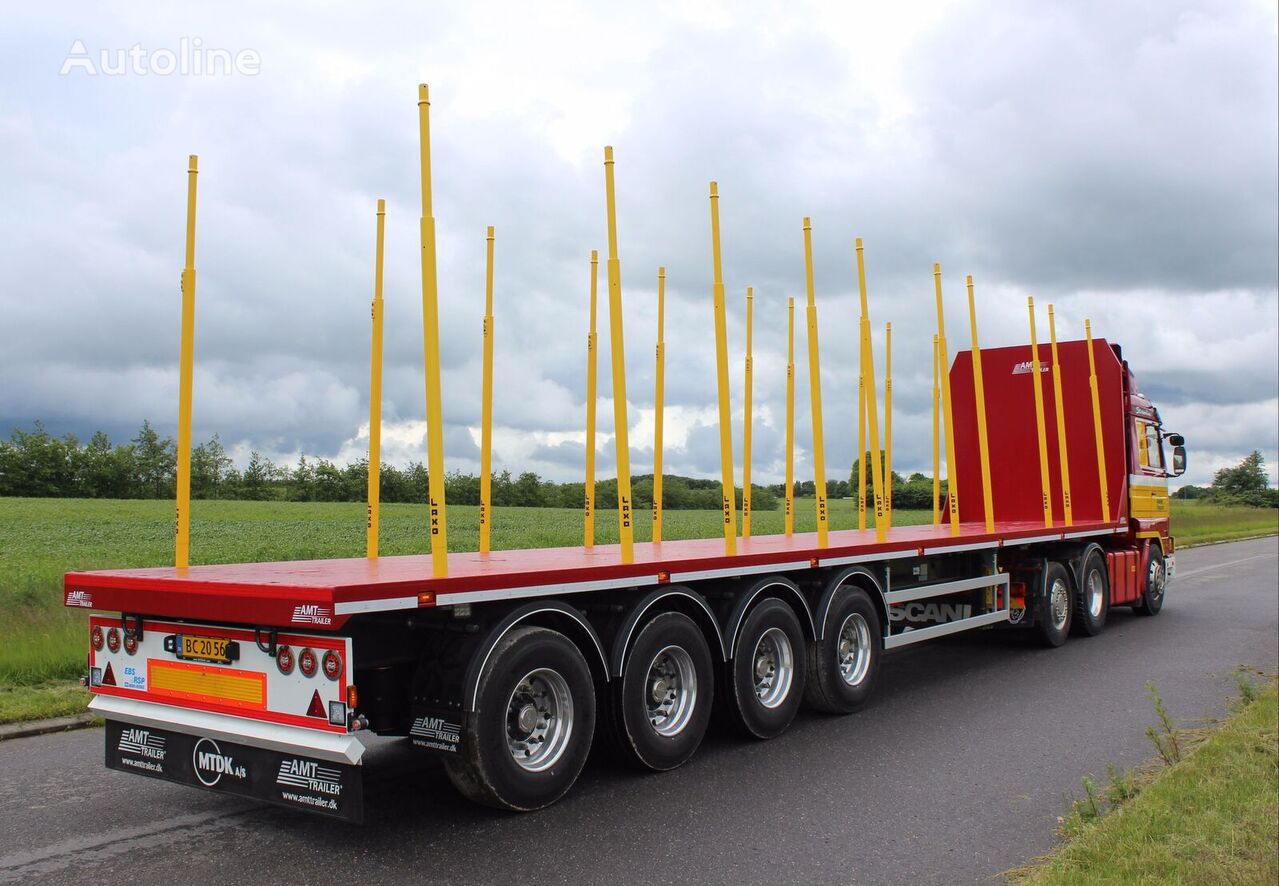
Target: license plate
[216, 649]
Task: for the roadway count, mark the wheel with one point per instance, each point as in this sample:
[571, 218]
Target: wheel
[767, 674]
[1092, 604]
[529, 736]
[1152, 598]
[1056, 605]
[844, 664]
[663, 703]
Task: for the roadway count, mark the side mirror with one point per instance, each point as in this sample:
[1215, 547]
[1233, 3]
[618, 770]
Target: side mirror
[1178, 458]
[1176, 440]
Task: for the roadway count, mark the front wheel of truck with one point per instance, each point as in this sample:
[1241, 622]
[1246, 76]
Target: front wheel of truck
[526, 742]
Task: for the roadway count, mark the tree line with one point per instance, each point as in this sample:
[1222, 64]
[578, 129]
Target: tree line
[35, 463]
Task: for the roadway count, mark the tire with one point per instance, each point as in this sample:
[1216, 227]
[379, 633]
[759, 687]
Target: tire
[768, 671]
[1056, 605]
[1152, 596]
[1092, 603]
[530, 671]
[844, 665]
[663, 702]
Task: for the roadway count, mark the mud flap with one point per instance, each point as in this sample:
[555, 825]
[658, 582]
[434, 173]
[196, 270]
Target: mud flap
[323, 787]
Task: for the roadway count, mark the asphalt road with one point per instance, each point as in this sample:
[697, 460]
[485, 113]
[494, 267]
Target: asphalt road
[958, 770]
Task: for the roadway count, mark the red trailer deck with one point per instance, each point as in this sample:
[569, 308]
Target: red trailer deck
[324, 594]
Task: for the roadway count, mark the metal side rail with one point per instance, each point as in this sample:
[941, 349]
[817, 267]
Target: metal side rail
[944, 589]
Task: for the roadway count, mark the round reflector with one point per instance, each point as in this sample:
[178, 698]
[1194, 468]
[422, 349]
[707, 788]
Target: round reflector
[332, 664]
[113, 640]
[96, 638]
[284, 659]
[307, 663]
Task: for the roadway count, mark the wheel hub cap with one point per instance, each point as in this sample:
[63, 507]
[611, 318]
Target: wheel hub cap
[672, 695]
[774, 667]
[854, 649]
[539, 720]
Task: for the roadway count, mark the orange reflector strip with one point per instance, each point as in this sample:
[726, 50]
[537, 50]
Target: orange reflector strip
[207, 683]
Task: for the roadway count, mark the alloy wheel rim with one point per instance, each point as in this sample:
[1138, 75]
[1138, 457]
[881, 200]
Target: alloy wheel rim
[854, 649]
[539, 720]
[670, 691]
[773, 667]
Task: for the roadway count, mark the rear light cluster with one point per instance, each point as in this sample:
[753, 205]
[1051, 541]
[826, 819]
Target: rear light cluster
[308, 663]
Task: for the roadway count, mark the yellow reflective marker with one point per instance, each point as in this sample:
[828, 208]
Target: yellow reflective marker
[943, 370]
[936, 437]
[431, 353]
[592, 348]
[1096, 421]
[815, 392]
[186, 373]
[1062, 455]
[374, 494]
[979, 395]
[1036, 382]
[729, 506]
[486, 406]
[861, 436]
[790, 416]
[888, 423]
[625, 529]
[872, 407]
[659, 405]
[746, 431]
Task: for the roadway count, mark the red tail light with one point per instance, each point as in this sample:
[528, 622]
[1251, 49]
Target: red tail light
[332, 664]
[96, 638]
[113, 640]
[284, 660]
[130, 643]
[307, 663]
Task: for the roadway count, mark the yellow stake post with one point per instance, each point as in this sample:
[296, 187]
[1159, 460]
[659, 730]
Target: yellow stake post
[659, 405]
[943, 370]
[746, 431]
[936, 437]
[592, 348]
[625, 530]
[1044, 479]
[790, 416]
[431, 353]
[486, 407]
[1096, 421]
[375, 394]
[815, 392]
[861, 438]
[186, 373]
[872, 407]
[979, 395]
[888, 423]
[721, 367]
[1062, 456]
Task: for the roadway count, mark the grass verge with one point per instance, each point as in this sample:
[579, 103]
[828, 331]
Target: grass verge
[1210, 817]
[55, 698]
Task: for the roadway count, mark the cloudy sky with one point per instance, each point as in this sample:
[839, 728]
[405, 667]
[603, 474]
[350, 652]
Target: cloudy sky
[1115, 159]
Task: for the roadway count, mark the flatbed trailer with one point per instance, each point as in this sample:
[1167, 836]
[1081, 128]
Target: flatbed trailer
[260, 679]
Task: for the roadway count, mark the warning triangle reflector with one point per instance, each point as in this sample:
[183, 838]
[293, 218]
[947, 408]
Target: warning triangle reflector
[108, 676]
[317, 707]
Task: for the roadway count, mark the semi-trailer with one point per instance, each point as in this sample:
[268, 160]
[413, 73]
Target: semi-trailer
[261, 679]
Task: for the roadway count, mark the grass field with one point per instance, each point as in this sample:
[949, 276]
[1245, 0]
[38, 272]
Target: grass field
[40, 539]
[1213, 817]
